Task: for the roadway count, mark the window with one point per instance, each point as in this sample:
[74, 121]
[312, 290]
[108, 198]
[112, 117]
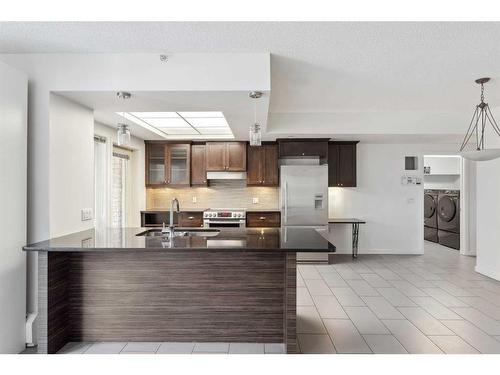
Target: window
[119, 190]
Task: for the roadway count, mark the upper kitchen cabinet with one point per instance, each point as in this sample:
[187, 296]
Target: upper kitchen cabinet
[178, 164]
[198, 165]
[342, 164]
[303, 147]
[226, 156]
[263, 169]
[168, 164]
[155, 164]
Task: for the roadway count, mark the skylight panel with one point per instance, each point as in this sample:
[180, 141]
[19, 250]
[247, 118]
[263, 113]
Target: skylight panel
[207, 122]
[182, 125]
[145, 115]
[213, 114]
[167, 122]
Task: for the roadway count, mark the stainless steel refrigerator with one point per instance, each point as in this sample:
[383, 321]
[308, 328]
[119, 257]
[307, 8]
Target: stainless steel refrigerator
[304, 204]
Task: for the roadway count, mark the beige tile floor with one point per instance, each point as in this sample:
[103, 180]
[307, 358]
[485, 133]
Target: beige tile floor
[431, 303]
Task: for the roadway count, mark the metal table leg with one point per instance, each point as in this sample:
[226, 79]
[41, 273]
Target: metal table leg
[355, 235]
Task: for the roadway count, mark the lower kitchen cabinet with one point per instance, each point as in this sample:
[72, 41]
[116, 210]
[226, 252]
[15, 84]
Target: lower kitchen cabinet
[263, 219]
[156, 218]
[264, 238]
[191, 219]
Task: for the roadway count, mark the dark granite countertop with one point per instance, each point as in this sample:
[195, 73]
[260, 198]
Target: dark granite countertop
[298, 239]
[206, 209]
[345, 220]
[182, 210]
[262, 210]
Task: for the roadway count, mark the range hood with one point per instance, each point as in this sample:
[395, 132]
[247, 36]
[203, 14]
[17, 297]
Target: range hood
[226, 175]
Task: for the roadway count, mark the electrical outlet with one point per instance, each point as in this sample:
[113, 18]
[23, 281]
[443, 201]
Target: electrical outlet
[86, 214]
[195, 200]
[255, 200]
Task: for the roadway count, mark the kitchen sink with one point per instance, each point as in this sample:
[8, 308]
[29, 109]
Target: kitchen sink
[199, 232]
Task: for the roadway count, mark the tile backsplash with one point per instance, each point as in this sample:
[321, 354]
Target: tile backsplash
[220, 194]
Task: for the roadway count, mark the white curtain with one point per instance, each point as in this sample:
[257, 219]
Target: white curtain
[119, 190]
[100, 177]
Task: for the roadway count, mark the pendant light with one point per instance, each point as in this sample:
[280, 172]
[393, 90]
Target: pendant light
[123, 130]
[482, 115]
[255, 132]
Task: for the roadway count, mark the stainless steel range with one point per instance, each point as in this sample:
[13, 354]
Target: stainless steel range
[228, 218]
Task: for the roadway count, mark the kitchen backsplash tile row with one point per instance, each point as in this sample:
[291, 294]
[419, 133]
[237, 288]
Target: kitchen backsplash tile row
[220, 194]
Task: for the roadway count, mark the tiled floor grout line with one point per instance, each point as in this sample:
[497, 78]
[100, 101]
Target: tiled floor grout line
[342, 307]
[442, 273]
[316, 307]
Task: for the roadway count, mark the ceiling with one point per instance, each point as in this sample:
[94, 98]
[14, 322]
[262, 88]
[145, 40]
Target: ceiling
[422, 70]
[236, 106]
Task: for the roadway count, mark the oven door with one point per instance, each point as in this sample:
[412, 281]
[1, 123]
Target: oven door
[217, 223]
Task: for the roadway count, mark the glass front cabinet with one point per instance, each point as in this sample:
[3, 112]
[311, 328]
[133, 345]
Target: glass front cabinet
[167, 164]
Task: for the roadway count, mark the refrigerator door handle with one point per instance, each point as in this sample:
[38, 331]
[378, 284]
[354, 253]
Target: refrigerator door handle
[285, 201]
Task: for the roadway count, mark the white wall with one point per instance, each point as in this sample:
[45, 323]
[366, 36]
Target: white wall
[445, 172]
[113, 72]
[71, 166]
[13, 190]
[488, 213]
[394, 212]
[136, 169]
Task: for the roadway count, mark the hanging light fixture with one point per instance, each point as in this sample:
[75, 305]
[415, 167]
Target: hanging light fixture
[255, 132]
[123, 130]
[482, 115]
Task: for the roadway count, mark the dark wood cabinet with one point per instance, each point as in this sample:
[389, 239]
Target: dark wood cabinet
[236, 156]
[178, 164]
[289, 147]
[263, 239]
[198, 165]
[226, 156]
[190, 219]
[168, 164]
[263, 219]
[155, 164]
[157, 218]
[342, 163]
[262, 162]
[215, 156]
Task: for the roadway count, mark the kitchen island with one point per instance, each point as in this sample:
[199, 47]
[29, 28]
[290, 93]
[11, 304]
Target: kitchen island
[134, 284]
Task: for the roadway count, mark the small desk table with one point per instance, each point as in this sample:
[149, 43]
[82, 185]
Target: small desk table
[355, 230]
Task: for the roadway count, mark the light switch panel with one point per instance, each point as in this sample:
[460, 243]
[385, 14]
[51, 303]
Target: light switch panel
[255, 200]
[86, 214]
[194, 200]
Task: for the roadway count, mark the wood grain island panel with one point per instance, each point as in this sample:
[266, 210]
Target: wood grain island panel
[229, 296]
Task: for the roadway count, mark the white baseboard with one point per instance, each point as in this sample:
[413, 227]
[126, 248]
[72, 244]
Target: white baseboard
[490, 272]
[381, 252]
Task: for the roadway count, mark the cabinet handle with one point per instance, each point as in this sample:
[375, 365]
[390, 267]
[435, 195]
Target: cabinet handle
[262, 218]
[191, 217]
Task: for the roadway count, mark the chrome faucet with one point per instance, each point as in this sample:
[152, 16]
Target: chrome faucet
[174, 205]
